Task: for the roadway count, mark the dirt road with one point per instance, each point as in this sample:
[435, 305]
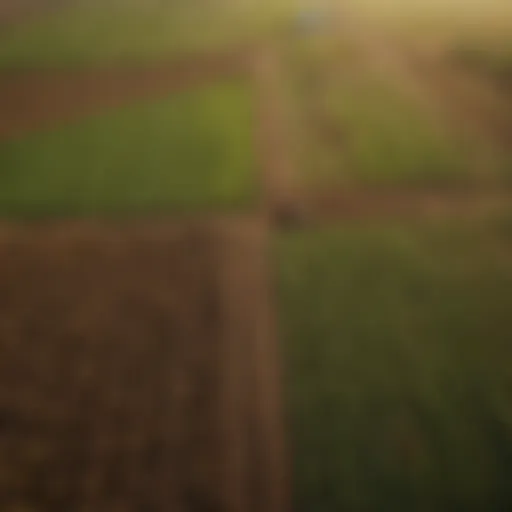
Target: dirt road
[280, 183]
[339, 206]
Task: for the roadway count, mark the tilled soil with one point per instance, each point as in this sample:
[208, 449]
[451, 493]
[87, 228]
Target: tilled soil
[115, 387]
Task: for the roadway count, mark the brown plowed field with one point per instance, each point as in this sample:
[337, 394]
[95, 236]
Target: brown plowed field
[129, 373]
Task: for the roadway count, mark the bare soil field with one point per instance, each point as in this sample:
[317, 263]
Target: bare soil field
[129, 373]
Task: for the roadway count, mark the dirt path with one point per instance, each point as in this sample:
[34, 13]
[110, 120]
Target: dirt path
[252, 370]
[33, 100]
[374, 204]
[280, 185]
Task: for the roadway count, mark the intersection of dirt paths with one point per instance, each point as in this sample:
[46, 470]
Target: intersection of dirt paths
[151, 347]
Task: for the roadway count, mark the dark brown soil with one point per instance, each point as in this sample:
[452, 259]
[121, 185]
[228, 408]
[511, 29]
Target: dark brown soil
[123, 382]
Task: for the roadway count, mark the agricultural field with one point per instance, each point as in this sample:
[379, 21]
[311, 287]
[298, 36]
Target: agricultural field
[395, 331]
[191, 151]
[377, 104]
[128, 180]
[339, 175]
[396, 350]
[87, 126]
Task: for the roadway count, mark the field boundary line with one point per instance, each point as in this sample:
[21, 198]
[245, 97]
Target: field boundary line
[257, 466]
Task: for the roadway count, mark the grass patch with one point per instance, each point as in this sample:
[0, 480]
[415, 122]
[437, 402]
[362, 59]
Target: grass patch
[398, 353]
[389, 139]
[192, 151]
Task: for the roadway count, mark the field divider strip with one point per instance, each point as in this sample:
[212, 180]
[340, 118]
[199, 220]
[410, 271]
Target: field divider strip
[257, 463]
[279, 183]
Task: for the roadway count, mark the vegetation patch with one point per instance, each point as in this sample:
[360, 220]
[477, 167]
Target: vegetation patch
[355, 127]
[192, 151]
[398, 366]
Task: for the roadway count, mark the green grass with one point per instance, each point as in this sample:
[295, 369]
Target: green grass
[397, 344]
[389, 139]
[191, 151]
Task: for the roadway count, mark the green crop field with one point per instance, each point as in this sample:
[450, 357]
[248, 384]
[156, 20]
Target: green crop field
[383, 139]
[389, 139]
[191, 151]
[397, 345]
